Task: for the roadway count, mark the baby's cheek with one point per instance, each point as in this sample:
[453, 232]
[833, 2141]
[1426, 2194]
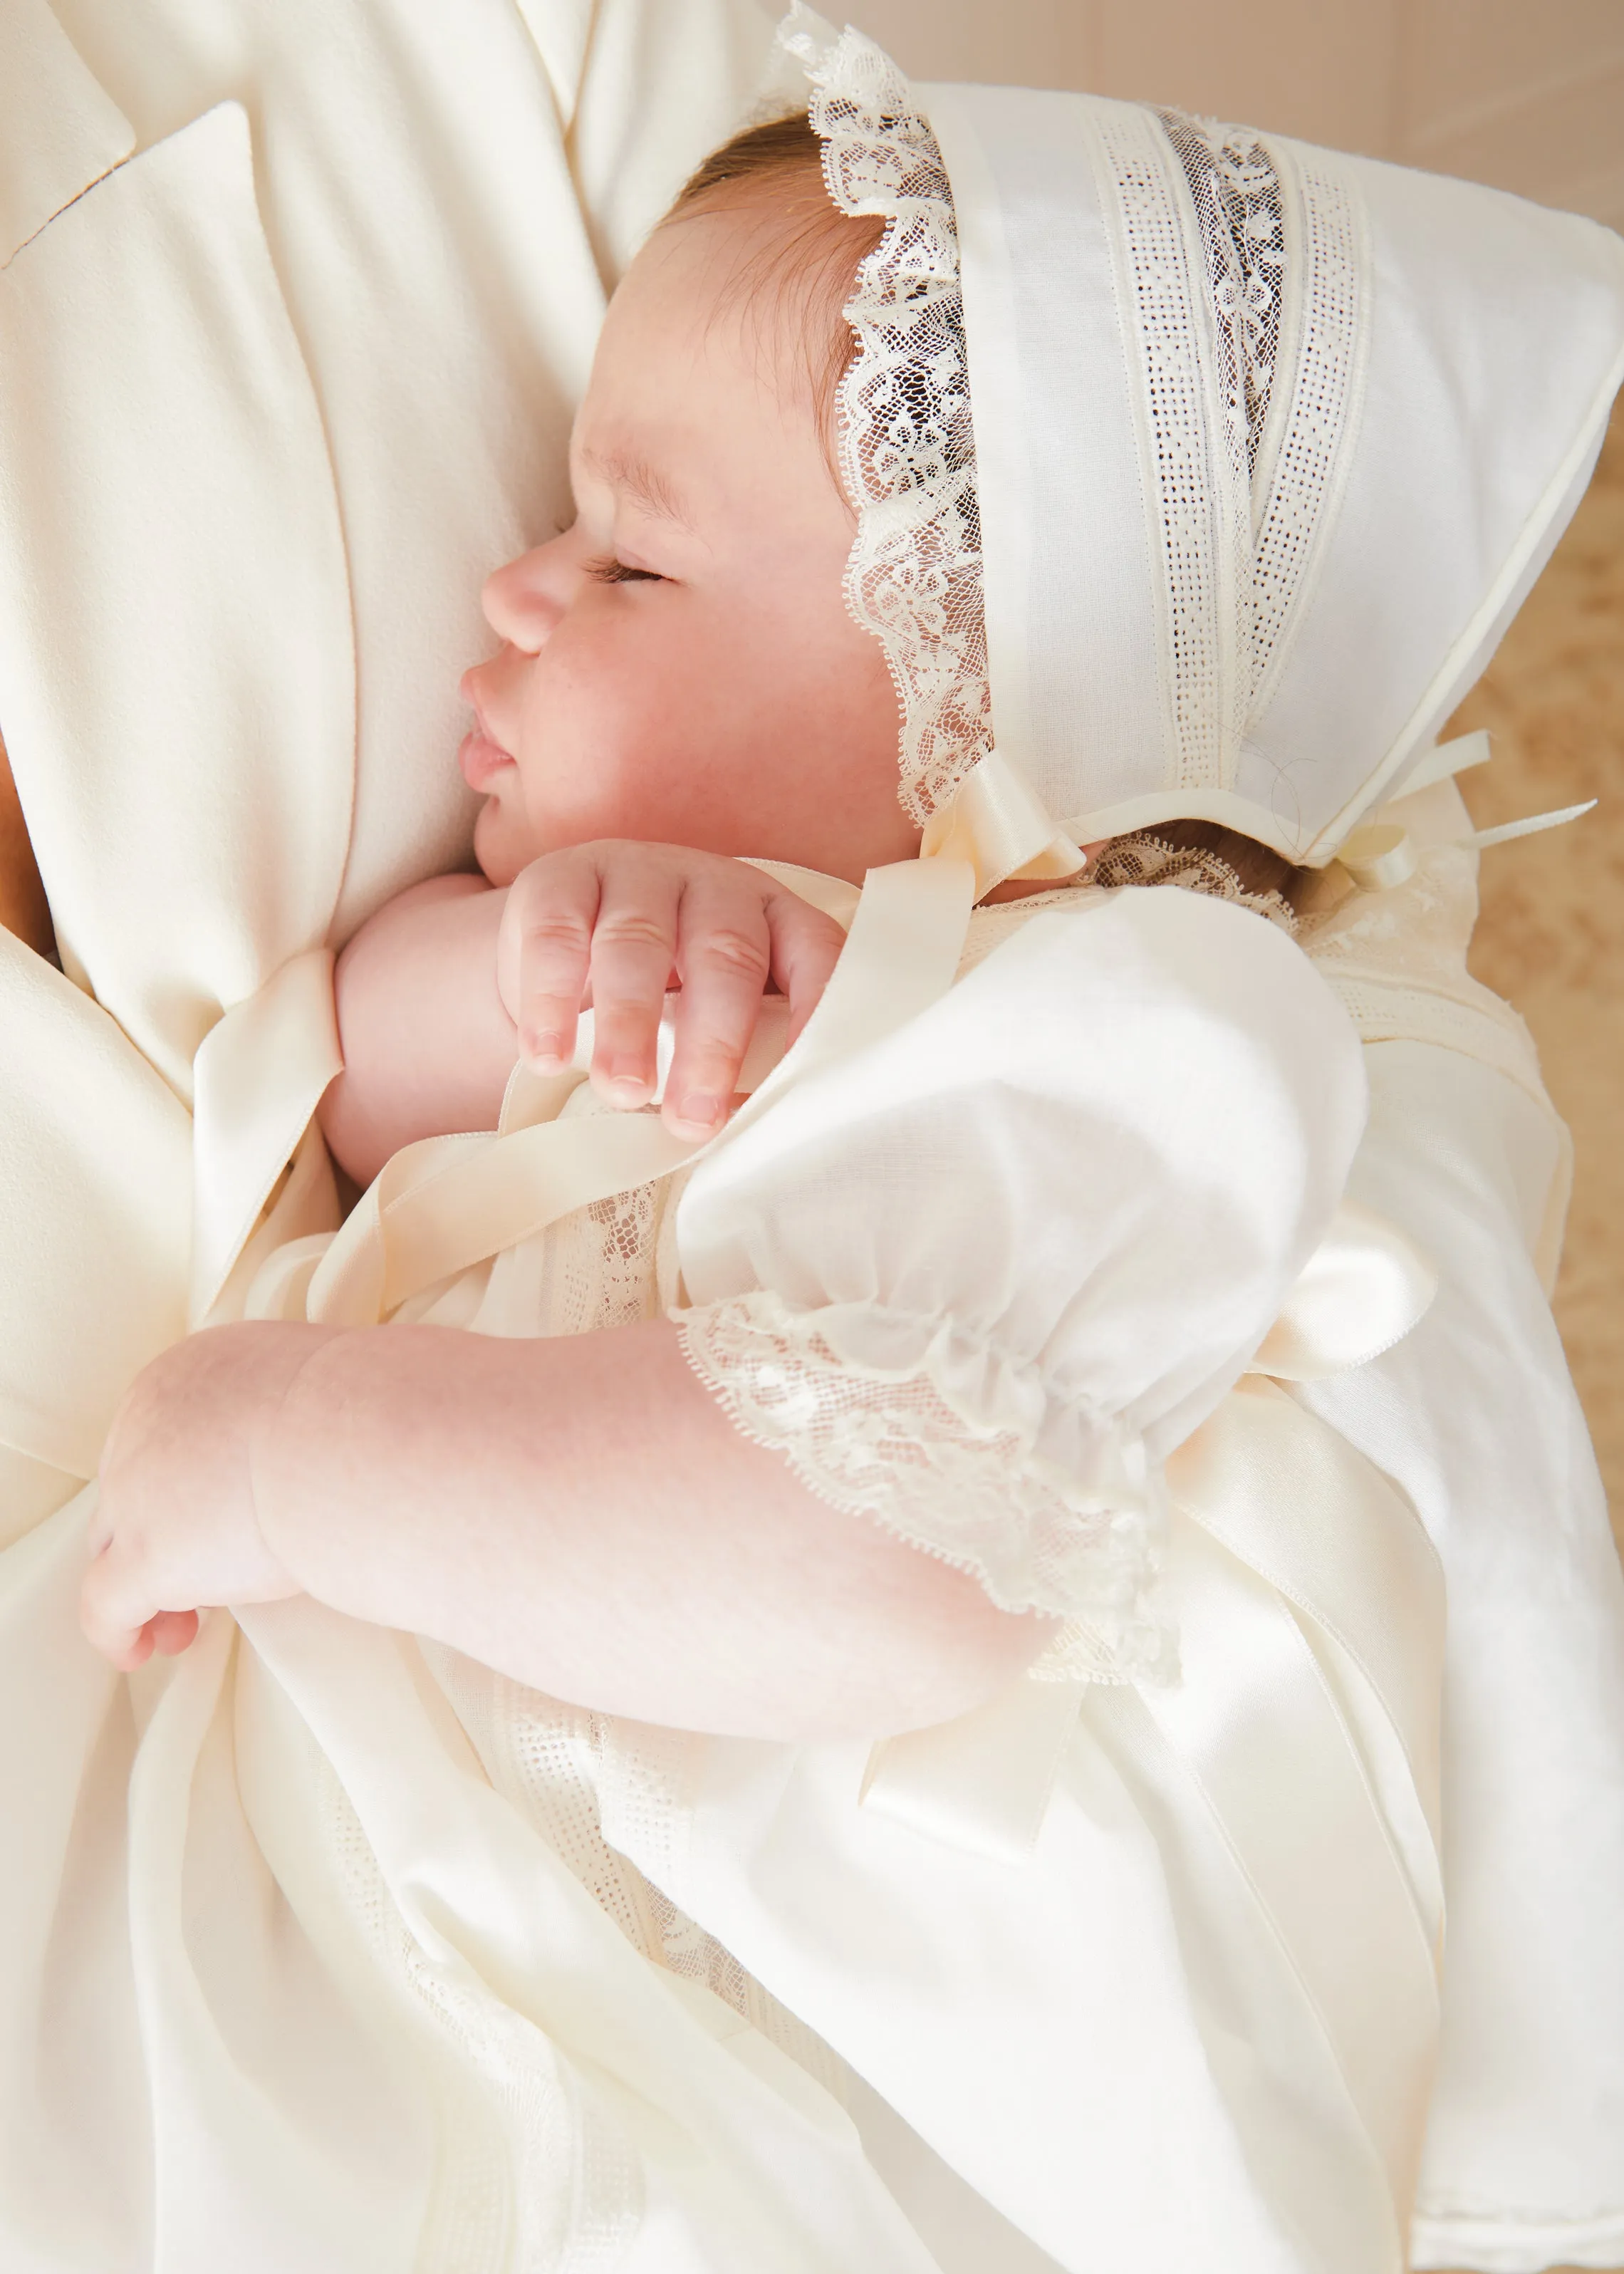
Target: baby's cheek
[640, 708]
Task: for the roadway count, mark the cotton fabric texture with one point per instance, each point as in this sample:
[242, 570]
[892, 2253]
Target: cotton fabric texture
[327, 1948]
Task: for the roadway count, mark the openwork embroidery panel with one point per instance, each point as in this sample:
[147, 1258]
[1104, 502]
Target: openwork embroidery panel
[531, 2174]
[906, 441]
[1243, 482]
[1239, 212]
[1192, 487]
[1318, 432]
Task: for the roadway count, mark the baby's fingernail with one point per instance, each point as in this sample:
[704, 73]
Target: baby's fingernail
[544, 1053]
[625, 1083]
[698, 1115]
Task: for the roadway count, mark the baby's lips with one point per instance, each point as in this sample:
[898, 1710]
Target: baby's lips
[481, 759]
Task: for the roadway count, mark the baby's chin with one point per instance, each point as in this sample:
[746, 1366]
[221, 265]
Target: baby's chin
[499, 843]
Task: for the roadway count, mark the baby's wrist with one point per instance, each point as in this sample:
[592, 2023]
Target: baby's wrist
[283, 1451]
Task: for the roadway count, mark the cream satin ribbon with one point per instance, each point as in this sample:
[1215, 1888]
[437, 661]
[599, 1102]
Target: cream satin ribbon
[1382, 855]
[997, 822]
[258, 1079]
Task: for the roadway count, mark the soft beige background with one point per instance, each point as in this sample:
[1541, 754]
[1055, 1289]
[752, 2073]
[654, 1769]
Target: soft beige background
[1552, 933]
[1530, 98]
[1527, 96]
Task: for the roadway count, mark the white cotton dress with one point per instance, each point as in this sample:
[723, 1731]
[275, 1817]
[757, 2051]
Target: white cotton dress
[324, 1948]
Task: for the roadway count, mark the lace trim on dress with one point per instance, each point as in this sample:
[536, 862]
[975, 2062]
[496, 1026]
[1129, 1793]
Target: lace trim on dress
[1145, 858]
[902, 1445]
[907, 445]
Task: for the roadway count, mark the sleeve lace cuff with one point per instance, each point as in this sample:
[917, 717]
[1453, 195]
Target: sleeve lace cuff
[958, 1450]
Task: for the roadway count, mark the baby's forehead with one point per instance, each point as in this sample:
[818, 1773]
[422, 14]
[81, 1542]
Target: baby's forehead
[705, 317]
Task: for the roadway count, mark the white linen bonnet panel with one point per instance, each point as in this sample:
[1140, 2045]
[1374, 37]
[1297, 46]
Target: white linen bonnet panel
[1251, 450]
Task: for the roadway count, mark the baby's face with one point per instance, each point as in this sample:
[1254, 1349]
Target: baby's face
[680, 666]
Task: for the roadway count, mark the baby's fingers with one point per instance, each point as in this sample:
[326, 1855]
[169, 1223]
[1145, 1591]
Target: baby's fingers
[633, 949]
[806, 947]
[118, 1615]
[725, 957]
[543, 954]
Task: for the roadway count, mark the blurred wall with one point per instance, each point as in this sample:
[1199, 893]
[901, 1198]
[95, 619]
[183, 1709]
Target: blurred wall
[1527, 96]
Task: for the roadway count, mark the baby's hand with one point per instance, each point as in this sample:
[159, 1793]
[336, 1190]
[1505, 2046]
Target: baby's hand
[176, 1527]
[619, 924]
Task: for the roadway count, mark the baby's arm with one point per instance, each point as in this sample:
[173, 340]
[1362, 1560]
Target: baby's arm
[578, 1512]
[428, 1045]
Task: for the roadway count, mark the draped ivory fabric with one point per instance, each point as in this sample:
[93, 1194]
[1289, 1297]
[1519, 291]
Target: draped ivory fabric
[317, 1953]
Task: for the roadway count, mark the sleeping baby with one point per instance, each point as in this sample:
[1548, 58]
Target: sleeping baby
[905, 1397]
[682, 681]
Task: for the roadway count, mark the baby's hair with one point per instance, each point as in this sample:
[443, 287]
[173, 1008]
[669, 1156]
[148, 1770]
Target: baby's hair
[810, 259]
[776, 169]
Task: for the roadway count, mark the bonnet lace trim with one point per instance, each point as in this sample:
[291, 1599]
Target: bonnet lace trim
[1240, 490]
[906, 1447]
[907, 448]
[1145, 858]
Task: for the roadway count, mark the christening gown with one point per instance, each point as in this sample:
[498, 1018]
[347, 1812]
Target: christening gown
[1181, 1277]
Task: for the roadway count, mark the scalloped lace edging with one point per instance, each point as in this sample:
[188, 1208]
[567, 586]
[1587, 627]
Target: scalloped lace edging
[907, 444]
[897, 1445]
[1144, 858]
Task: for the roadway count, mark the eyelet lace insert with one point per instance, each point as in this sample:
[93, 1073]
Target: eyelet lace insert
[1240, 215]
[1276, 269]
[1145, 858]
[906, 443]
[899, 1445]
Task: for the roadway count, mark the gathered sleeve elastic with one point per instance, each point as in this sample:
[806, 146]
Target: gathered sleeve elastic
[977, 1280]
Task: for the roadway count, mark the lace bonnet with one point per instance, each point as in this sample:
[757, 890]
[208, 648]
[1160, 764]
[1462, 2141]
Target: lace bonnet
[1269, 444]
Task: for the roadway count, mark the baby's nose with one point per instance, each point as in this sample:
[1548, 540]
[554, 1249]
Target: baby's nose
[520, 604]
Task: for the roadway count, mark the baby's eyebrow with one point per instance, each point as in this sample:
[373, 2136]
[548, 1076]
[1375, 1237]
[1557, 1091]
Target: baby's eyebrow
[643, 483]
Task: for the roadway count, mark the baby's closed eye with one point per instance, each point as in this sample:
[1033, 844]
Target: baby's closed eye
[621, 572]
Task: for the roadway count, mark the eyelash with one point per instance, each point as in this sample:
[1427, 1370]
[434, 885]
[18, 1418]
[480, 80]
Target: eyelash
[616, 572]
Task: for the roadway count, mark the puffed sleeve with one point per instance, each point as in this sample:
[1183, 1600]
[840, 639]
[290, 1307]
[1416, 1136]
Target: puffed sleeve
[976, 1282]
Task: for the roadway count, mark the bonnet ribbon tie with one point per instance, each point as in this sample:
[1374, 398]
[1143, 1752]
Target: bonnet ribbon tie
[997, 822]
[1384, 855]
